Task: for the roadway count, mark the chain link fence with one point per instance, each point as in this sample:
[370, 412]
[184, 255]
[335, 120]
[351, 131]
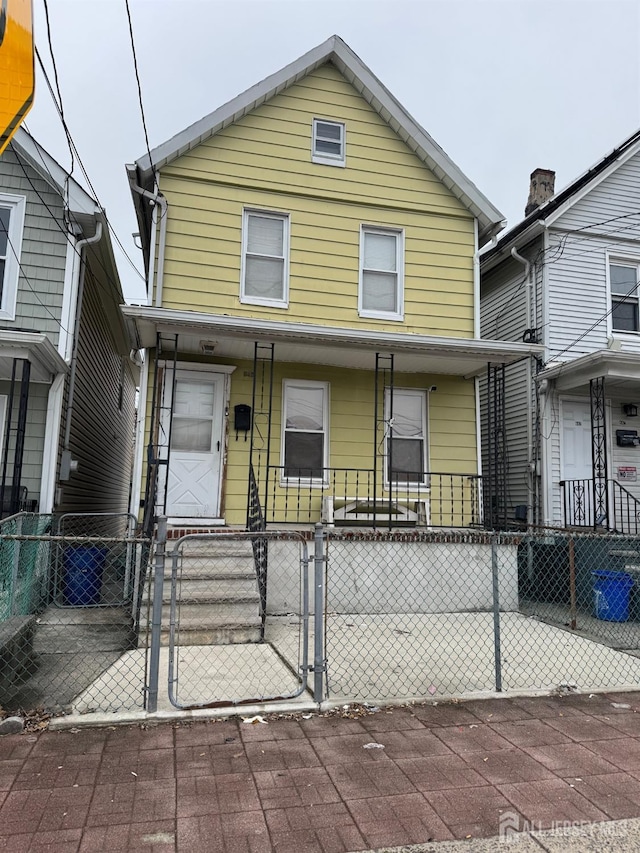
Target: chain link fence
[235, 617]
[419, 614]
[72, 591]
[88, 622]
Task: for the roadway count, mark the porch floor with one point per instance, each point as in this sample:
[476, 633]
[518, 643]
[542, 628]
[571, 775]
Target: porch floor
[377, 657]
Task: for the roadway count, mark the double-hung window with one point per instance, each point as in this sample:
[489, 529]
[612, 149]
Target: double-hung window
[381, 274]
[265, 257]
[624, 278]
[11, 224]
[406, 449]
[305, 420]
[328, 144]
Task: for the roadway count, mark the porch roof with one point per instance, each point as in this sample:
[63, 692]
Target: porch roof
[621, 371]
[34, 347]
[234, 337]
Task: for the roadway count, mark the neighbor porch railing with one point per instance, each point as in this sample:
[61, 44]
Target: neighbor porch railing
[345, 496]
[578, 507]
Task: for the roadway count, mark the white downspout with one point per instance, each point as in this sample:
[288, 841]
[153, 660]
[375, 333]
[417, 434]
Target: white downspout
[156, 198]
[66, 463]
[529, 379]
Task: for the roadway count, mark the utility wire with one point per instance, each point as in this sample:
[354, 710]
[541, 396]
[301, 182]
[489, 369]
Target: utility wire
[135, 66]
[82, 167]
[57, 79]
[28, 280]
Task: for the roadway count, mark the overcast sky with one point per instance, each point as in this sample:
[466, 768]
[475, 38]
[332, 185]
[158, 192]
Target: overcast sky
[503, 86]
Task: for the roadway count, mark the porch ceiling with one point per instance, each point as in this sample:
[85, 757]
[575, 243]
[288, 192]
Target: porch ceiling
[31, 346]
[621, 371]
[234, 338]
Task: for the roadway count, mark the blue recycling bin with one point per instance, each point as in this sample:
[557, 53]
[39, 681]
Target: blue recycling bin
[83, 568]
[611, 591]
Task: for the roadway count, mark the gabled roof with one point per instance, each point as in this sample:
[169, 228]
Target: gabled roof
[80, 202]
[538, 219]
[336, 51]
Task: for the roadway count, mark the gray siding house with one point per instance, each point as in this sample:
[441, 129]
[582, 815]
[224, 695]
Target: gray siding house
[567, 277]
[67, 382]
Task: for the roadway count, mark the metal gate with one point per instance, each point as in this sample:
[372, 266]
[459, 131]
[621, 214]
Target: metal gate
[238, 618]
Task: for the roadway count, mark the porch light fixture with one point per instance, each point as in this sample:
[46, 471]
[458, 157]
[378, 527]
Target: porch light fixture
[630, 410]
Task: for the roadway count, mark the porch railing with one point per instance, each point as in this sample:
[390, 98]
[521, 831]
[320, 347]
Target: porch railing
[343, 496]
[578, 507]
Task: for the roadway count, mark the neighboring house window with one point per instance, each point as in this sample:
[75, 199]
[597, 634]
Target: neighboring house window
[265, 254]
[305, 420]
[407, 437]
[624, 279]
[328, 142]
[11, 225]
[381, 274]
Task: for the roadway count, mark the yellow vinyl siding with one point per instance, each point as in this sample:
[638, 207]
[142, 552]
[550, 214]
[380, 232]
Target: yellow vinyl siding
[452, 427]
[264, 162]
[203, 261]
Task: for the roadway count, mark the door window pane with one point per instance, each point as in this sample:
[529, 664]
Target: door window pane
[191, 434]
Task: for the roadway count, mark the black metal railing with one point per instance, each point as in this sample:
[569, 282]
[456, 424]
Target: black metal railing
[344, 496]
[579, 504]
[256, 524]
[626, 510]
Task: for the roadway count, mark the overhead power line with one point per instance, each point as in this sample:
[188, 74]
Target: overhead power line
[135, 66]
[82, 167]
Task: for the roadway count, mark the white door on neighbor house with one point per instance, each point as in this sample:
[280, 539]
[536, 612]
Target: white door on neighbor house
[576, 456]
[197, 446]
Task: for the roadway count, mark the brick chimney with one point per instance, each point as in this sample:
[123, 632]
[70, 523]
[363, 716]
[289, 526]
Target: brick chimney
[540, 189]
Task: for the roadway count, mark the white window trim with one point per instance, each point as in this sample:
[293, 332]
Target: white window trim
[17, 205]
[323, 156]
[616, 258]
[398, 233]
[423, 486]
[258, 300]
[313, 482]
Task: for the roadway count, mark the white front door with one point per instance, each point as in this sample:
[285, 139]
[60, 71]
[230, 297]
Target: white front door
[197, 445]
[576, 455]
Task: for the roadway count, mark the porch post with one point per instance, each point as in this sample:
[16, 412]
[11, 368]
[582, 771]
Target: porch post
[599, 453]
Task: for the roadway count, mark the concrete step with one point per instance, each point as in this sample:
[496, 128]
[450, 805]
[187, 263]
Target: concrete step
[211, 590]
[82, 639]
[222, 636]
[217, 547]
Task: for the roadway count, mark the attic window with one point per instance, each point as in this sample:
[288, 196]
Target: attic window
[328, 142]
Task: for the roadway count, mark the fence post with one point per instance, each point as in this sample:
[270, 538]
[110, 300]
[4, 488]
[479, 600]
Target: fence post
[156, 615]
[17, 545]
[319, 663]
[496, 612]
[572, 585]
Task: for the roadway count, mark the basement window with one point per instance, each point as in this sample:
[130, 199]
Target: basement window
[328, 142]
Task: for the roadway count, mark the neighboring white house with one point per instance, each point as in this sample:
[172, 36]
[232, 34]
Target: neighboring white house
[567, 277]
[67, 383]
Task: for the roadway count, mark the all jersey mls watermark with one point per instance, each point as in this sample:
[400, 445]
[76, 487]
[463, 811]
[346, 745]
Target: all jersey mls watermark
[512, 828]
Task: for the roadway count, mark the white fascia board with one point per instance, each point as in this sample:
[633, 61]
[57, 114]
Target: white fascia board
[35, 346]
[592, 184]
[377, 96]
[506, 243]
[244, 327]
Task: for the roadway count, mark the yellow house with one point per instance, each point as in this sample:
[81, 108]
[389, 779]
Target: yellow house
[312, 327]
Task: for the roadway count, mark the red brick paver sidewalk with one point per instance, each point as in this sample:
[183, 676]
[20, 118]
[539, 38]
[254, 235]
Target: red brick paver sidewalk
[309, 786]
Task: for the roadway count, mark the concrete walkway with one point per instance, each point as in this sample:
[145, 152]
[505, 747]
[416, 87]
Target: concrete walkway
[351, 780]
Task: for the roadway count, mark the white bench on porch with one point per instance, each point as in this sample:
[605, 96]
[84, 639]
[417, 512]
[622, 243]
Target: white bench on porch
[336, 509]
